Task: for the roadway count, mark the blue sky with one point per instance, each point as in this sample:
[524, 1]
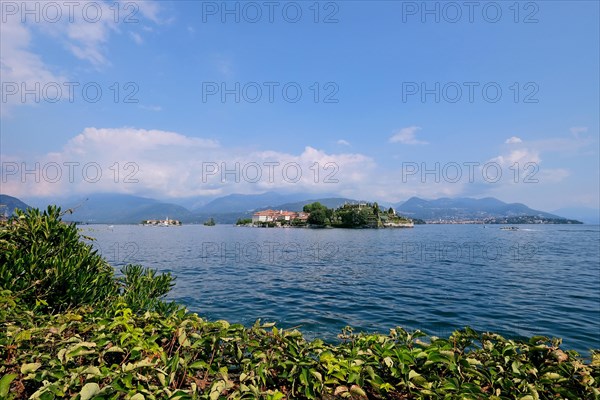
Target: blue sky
[367, 130]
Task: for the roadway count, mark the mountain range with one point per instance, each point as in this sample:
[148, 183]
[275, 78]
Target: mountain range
[465, 209]
[121, 208]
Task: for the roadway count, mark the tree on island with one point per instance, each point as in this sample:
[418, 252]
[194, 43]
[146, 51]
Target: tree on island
[355, 218]
[210, 222]
[317, 217]
[319, 214]
[309, 208]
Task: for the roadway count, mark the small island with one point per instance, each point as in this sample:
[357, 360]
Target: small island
[161, 222]
[210, 222]
[316, 215]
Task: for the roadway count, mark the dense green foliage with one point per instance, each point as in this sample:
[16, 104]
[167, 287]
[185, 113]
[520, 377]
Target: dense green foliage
[133, 347]
[44, 262]
[352, 216]
[121, 354]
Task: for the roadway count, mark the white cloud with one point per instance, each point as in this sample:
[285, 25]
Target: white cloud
[520, 156]
[407, 136]
[19, 65]
[137, 38]
[89, 40]
[523, 162]
[76, 29]
[577, 130]
[150, 9]
[343, 142]
[174, 165]
[513, 140]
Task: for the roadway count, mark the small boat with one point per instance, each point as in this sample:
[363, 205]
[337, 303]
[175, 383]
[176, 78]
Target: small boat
[509, 228]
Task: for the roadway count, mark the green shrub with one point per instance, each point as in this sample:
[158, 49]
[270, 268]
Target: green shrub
[45, 263]
[43, 260]
[142, 289]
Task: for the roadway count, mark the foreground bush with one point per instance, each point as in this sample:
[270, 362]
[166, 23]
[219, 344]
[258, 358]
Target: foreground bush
[44, 261]
[125, 355]
[69, 328]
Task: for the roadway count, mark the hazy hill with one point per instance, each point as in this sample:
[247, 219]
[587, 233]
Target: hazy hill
[247, 202]
[11, 204]
[127, 209]
[330, 202]
[465, 208]
[585, 214]
[121, 208]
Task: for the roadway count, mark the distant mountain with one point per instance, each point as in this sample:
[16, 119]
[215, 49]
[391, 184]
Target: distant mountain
[11, 203]
[465, 209]
[248, 202]
[127, 209]
[330, 202]
[121, 208]
[585, 214]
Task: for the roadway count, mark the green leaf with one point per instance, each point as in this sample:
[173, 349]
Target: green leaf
[140, 364]
[5, 384]
[216, 389]
[198, 365]
[182, 339]
[89, 391]
[553, 376]
[317, 375]
[357, 391]
[92, 371]
[277, 396]
[413, 374]
[31, 367]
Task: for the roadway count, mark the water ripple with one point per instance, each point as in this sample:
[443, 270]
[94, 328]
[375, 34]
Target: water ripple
[538, 280]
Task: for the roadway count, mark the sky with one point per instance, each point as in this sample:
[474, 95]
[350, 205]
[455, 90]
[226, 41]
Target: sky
[377, 100]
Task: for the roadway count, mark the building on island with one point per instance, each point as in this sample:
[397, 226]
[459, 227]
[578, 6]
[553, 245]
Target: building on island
[162, 222]
[278, 216]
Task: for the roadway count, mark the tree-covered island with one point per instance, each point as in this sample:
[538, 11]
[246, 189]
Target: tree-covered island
[358, 215]
[317, 215]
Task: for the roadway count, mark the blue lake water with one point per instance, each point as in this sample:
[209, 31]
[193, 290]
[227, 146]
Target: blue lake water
[437, 278]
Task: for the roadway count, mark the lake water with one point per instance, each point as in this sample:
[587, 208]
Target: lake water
[537, 280]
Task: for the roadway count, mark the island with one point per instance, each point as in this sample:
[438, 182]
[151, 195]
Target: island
[161, 222]
[210, 222]
[316, 215]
